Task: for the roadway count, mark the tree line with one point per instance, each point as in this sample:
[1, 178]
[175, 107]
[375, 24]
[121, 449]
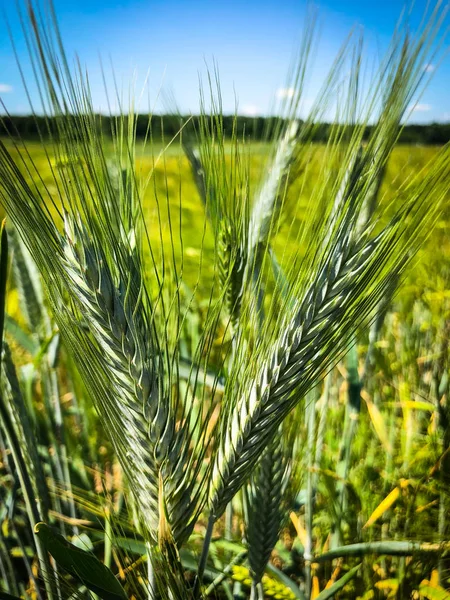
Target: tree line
[165, 127]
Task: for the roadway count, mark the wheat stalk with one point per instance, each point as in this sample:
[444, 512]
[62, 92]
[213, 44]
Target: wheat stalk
[13, 398]
[264, 211]
[345, 278]
[150, 439]
[319, 328]
[16, 427]
[225, 189]
[26, 277]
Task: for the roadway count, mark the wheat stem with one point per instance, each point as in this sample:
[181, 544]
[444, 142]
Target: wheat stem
[28, 492]
[390, 548]
[204, 556]
[237, 560]
[310, 417]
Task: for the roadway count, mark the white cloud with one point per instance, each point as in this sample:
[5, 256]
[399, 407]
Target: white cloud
[429, 68]
[421, 107]
[5, 88]
[283, 93]
[446, 116]
[250, 110]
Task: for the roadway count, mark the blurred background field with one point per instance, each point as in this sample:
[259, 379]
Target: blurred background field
[165, 173]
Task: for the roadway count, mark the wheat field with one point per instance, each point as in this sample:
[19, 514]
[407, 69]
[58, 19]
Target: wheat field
[224, 370]
[394, 434]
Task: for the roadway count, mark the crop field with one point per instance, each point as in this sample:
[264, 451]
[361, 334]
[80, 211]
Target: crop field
[224, 369]
[173, 186]
[369, 439]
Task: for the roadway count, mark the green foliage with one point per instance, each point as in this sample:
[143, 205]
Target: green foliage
[82, 565]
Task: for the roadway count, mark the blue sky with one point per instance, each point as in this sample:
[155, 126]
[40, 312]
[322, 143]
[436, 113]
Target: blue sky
[252, 42]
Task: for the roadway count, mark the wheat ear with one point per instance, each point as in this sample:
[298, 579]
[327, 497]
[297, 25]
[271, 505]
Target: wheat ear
[264, 211]
[151, 447]
[265, 505]
[24, 431]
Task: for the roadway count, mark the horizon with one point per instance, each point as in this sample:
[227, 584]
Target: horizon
[251, 45]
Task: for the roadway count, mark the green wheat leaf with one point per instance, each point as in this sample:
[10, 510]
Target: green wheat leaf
[81, 564]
